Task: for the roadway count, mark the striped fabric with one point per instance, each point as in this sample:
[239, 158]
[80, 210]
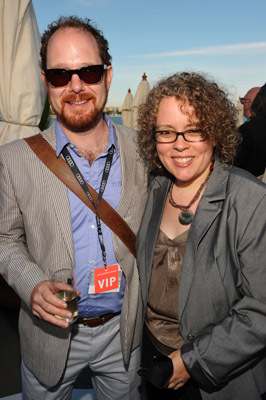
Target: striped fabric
[35, 233]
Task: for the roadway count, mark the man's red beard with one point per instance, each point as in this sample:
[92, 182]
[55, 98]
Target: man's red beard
[81, 120]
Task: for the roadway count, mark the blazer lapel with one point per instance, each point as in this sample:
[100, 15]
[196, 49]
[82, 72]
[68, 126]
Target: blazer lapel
[208, 209]
[59, 198]
[159, 197]
[127, 170]
[155, 207]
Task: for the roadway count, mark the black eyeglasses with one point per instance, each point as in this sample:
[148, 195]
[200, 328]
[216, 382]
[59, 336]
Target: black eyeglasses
[168, 136]
[91, 75]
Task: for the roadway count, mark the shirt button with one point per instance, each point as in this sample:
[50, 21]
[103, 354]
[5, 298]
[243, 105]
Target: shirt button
[92, 261]
[92, 226]
[190, 336]
[72, 146]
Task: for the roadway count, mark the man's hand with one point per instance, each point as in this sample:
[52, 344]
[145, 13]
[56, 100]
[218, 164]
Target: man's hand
[180, 374]
[45, 305]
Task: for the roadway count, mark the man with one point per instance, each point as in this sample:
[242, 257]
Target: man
[42, 224]
[251, 154]
[248, 99]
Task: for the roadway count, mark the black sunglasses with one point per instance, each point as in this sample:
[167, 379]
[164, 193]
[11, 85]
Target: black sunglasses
[90, 75]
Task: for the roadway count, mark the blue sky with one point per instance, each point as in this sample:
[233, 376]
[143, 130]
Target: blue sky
[225, 39]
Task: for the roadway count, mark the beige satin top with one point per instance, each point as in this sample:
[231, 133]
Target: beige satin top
[162, 308]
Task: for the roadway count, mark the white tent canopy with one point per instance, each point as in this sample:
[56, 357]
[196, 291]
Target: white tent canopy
[139, 98]
[22, 92]
[127, 110]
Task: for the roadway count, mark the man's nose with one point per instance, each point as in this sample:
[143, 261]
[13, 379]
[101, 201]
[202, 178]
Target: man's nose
[76, 84]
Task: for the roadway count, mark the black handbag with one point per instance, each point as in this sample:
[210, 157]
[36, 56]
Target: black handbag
[159, 371]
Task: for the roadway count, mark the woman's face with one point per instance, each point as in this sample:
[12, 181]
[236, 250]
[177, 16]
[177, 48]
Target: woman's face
[188, 162]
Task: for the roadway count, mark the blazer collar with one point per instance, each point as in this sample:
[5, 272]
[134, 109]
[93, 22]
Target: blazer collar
[50, 136]
[127, 168]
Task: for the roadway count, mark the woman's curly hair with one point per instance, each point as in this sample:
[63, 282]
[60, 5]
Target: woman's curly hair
[216, 114]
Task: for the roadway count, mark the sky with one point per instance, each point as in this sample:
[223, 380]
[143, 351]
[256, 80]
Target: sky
[225, 39]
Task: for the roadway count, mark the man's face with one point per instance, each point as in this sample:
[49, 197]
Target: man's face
[78, 106]
[248, 99]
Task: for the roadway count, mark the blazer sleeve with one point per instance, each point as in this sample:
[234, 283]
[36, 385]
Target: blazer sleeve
[238, 341]
[16, 265]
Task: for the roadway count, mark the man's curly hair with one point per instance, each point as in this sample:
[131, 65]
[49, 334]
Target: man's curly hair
[77, 23]
[215, 112]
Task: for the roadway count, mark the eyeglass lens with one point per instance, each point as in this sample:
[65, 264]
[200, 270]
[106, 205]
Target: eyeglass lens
[60, 77]
[191, 135]
[242, 100]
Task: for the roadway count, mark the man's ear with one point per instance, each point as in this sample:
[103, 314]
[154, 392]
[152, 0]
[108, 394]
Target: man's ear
[109, 76]
[44, 78]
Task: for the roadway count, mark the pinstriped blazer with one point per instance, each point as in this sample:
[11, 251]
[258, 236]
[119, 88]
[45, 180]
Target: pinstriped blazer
[36, 232]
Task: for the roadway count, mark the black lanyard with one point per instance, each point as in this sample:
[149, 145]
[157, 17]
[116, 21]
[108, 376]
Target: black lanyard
[74, 168]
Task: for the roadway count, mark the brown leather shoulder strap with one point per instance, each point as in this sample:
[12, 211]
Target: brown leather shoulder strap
[59, 167]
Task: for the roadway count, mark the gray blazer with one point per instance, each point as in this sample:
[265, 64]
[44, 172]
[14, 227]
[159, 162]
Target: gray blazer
[222, 290]
[36, 232]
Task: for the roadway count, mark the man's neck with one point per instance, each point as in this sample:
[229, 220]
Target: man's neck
[92, 143]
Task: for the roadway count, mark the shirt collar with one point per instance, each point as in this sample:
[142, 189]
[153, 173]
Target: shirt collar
[62, 140]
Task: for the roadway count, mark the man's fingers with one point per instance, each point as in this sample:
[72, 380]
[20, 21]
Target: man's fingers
[45, 305]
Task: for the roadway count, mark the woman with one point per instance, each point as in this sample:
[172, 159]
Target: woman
[251, 154]
[201, 249]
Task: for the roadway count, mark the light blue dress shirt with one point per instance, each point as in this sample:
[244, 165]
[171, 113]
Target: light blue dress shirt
[88, 255]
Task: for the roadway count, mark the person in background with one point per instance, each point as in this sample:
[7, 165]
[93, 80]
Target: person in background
[251, 154]
[200, 250]
[42, 223]
[247, 101]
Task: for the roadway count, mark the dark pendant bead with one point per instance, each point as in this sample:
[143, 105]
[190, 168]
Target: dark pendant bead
[185, 217]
